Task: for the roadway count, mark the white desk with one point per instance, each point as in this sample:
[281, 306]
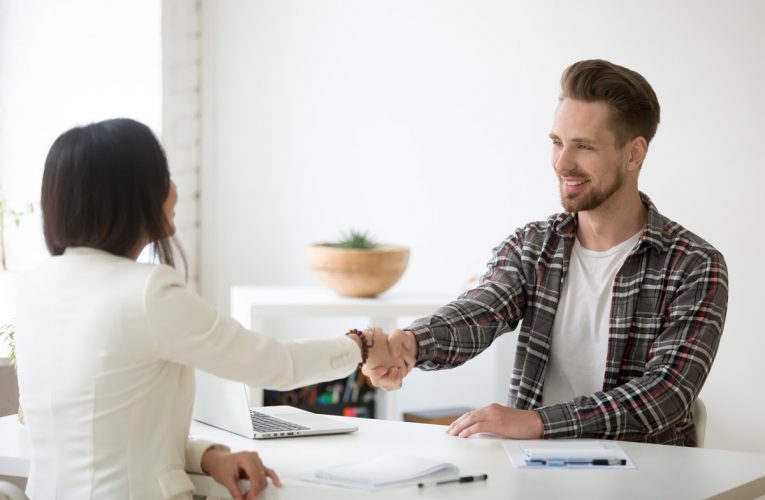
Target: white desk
[250, 305]
[662, 471]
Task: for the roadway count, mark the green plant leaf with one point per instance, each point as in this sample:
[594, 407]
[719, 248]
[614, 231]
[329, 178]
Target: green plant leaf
[356, 240]
[7, 333]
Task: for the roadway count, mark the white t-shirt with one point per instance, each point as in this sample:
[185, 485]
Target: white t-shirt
[580, 332]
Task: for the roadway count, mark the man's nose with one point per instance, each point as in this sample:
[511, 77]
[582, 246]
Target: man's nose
[563, 160]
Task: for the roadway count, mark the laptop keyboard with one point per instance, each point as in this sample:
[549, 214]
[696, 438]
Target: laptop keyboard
[266, 423]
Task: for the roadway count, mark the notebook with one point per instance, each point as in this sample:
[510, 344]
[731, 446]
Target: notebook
[224, 404]
[386, 471]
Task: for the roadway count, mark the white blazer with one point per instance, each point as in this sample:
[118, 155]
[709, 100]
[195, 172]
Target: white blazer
[106, 350]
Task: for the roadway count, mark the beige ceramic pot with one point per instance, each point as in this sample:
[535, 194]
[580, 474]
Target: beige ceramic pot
[358, 272]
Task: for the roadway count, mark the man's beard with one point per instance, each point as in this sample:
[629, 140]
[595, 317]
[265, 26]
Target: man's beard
[591, 199]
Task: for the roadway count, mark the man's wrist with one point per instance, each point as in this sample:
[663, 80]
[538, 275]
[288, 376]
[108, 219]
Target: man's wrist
[415, 343]
[540, 425]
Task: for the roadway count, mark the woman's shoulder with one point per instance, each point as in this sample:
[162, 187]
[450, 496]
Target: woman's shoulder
[102, 270]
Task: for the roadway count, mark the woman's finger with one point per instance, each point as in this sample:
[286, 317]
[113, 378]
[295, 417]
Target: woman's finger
[274, 477]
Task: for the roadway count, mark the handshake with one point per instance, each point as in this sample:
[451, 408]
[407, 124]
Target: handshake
[390, 358]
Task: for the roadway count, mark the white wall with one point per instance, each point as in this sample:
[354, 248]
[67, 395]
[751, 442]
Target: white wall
[426, 122]
[181, 64]
[64, 64]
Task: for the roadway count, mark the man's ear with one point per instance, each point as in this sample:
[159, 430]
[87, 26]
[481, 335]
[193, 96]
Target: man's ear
[638, 147]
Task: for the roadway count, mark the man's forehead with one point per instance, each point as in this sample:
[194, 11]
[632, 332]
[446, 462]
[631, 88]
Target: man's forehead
[580, 121]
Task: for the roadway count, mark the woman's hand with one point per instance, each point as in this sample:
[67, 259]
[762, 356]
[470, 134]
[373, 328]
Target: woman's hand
[393, 359]
[228, 468]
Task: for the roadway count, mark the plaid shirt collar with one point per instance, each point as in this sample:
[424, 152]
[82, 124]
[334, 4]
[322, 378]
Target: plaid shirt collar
[652, 237]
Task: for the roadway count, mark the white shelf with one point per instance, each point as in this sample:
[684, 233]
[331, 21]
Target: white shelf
[250, 305]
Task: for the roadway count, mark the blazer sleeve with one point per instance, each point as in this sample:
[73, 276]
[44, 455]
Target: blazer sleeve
[186, 329]
[195, 448]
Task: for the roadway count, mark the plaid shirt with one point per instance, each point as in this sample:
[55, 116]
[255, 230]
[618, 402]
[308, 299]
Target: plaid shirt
[667, 313]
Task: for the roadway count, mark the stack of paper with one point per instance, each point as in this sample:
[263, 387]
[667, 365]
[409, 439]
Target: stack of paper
[386, 471]
[568, 453]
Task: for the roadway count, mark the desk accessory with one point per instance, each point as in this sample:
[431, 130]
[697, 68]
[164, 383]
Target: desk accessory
[463, 479]
[356, 266]
[386, 471]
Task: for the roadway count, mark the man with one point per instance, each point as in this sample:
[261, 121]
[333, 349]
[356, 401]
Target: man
[621, 309]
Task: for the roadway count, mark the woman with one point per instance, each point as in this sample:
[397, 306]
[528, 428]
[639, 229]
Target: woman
[107, 346]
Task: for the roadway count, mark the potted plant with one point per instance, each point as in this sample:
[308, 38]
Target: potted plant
[8, 281]
[357, 266]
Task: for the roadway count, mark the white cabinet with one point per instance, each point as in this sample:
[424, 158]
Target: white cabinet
[251, 305]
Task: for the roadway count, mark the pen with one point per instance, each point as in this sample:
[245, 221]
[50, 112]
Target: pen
[463, 479]
[552, 462]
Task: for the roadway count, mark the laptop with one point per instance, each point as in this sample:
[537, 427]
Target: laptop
[224, 404]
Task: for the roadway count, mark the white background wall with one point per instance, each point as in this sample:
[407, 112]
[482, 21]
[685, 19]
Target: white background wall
[426, 122]
[64, 64]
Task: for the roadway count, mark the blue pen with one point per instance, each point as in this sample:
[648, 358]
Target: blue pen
[560, 462]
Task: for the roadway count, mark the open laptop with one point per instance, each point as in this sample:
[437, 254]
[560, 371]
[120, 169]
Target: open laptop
[224, 404]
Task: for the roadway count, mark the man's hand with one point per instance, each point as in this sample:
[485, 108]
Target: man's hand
[499, 420]
[401, 346]
[228, 468]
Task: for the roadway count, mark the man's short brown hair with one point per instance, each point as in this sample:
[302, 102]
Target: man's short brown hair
[634, 108]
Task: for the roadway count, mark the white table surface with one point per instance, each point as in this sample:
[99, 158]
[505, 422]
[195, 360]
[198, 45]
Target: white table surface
[662, 471]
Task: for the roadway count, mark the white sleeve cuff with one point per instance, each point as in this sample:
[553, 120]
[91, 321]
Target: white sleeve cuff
[195, 448]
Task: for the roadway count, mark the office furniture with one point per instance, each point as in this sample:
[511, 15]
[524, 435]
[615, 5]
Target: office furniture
[439, 416]
[352, 396]
[9, 491]
[251, 305]
[663, 472]
[9, 389]
[699, 410]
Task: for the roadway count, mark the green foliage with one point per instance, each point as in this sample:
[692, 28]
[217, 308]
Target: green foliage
[18, 214]
[356, 240]
[7, 333]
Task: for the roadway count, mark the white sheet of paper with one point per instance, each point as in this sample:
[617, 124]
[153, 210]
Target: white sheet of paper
[516, 452]
[384, 472]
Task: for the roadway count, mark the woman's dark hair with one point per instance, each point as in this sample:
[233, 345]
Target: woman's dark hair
[104, 187]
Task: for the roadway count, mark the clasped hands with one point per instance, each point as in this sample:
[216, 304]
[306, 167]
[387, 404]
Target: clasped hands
[393, 356]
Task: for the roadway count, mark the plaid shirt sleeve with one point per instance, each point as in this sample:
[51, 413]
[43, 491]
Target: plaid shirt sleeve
[678, 362]
[465, 327]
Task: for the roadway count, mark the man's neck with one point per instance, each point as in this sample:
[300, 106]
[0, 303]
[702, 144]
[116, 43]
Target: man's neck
[613, 222]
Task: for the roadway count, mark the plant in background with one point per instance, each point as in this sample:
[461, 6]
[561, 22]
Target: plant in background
[7, 333]
[16, 215]
[357, 265]
[359, 240]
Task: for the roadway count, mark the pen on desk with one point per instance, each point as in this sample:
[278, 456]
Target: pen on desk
[552, 462]
[463, 479]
